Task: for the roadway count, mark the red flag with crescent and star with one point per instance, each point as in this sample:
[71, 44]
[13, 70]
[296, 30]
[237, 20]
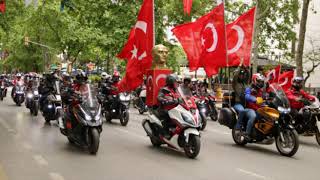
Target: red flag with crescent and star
[138, 49]
[2, 6]
[273, 75]
[239, 38]
[285, 80]
[204, 41]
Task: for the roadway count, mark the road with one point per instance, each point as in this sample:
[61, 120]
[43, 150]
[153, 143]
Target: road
[33, 150]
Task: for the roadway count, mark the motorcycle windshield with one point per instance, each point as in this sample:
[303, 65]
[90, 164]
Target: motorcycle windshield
[278, 96]
[89, 98]
[57, 87]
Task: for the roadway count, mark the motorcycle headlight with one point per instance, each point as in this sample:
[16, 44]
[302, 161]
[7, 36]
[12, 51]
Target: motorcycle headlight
[122, 98]
[87, 117]
[283, 110]
[187, 118]
[203, 110]
[58, 97]
[36, 93]
[98, 116]
[128, 98]
[50, 106]
[29, 95]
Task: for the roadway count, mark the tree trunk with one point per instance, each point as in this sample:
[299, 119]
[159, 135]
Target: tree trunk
[255, 48]
[302, 34]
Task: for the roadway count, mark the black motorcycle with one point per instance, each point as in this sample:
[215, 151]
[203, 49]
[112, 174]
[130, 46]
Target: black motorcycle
[32, 101]
[307, 122]
[117, 107]
[203, 111]
[52, 108]
[82, 119]
[3, 90]
[141, 105]
[19, 94]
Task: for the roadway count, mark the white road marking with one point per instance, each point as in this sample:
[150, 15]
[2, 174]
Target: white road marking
[132, 133]
[252, 174]
[40, 160]
[26, 146]
[55, 176]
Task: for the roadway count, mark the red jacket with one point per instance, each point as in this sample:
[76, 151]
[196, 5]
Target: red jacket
[293, 95]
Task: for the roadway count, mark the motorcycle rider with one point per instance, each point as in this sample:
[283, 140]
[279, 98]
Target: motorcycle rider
[186, 85]
[3, 81]
[254, 99]
[15, 82]
[168, 98]
[297, 96]
[239, 85]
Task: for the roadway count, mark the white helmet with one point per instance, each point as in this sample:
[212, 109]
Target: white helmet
[18, 75]
[105, 75]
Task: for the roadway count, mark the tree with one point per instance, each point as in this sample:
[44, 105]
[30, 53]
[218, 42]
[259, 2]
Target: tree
[312, 58]
[302, 34]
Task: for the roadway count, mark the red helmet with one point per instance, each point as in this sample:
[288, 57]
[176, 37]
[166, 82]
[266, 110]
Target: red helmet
[258, 80]
[116, 74]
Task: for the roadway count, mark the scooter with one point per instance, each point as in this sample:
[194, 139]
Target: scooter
[117, 108]
[3, 90]
[185, 126]
[32, 101]
[19, 94]
[142, 107]
[82, 122]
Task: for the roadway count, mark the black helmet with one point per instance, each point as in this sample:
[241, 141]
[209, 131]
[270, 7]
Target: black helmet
[297, 83]
[171, 80]
[81, 77]
[187, 79]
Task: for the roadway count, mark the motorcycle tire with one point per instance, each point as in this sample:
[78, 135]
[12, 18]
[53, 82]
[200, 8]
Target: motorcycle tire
[318, 136]
[192, 148]
[31, 110]
[1, 98]
[294, 135]
[214, 115]
[107, 116]
[238, 139]
[71, 141]
[36, 109]
[155, 142]
[124, 118]
[204, 122]
[141, 111]
[94, 141]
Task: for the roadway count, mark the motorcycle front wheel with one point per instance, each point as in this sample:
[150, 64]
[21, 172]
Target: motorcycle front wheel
[238, 138]
[290, 145]
[318, 136]
[214, 115]
[124, 118]
[35, 109]
[192, 148]
[94, 141]
[204, 121]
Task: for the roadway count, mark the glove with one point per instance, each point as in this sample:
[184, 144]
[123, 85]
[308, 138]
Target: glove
[259, 100]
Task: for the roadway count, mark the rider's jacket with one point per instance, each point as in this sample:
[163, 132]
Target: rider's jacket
[15, 81]
[168, 98]
[293, 96]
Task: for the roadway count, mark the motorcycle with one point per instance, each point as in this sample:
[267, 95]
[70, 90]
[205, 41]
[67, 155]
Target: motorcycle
[3, 90]
[19, 94]
[212, 109]
[203, 110]
[83, 119]
[117, 108]
[309, 123]
[32, 101]
[185, 126]
[273, 124]
[52, 109]
[142, 107]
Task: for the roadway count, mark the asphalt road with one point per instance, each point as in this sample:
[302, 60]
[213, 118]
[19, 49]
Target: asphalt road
[33, 150]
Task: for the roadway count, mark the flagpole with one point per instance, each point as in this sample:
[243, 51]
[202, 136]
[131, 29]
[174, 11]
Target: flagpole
[154, 24]
[253, 35]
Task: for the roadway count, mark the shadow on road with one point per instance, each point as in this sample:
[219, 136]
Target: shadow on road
[165, 150]
[310, 144]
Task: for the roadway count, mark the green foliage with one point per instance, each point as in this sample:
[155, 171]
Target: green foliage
[94, 78]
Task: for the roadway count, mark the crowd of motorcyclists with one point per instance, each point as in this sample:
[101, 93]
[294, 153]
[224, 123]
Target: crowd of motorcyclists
[69, 100]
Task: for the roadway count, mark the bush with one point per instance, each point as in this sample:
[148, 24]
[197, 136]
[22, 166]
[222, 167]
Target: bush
[94, 78]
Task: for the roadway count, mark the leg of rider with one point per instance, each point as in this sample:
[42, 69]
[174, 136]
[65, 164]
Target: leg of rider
[251, 114]
[240, 110]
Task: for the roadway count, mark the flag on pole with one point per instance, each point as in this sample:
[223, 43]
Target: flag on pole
[138, 49]
[239, 38]
[187, 6]
[273, 75]
[285, 80]
[204, 41]
[2, 6]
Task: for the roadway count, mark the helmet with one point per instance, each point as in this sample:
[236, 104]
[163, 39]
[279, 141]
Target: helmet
[116, 76]
[81, 77]
[171, 80]
[297, 83]
[187, 79]
[18, 75]
[258, 80]
[105, 75]
[243, 75]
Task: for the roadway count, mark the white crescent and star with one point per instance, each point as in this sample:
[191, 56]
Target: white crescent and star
[240, 33]
[284, 82]
[214, 35]
[142, 25]
[161, 76]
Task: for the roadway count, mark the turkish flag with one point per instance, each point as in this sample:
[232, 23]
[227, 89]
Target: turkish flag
[285, 80]
[213, 42]
[273, 75]
[187, 6]
[204, 39]
[2, 6]
[239, 38]
[138, 49]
